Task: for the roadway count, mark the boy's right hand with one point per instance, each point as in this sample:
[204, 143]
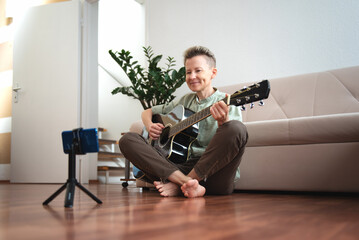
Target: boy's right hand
[155, 130]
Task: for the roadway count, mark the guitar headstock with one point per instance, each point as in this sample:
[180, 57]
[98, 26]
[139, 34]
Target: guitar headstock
[253, 93]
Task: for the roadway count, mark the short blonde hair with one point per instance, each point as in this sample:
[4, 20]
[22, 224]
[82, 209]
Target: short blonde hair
[200, 51]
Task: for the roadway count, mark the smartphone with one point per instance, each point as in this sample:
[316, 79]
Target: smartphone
[88, 139]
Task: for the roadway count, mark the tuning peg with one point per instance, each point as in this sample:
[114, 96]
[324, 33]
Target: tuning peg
[251, 105]
[243, 108]
[261, 103]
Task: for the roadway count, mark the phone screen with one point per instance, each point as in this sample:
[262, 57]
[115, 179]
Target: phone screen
[88, 138]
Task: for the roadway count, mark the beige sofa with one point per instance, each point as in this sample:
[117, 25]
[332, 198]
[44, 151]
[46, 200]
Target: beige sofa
[305, 137]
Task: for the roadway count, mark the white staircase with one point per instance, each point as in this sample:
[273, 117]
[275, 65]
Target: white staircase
[111, 163]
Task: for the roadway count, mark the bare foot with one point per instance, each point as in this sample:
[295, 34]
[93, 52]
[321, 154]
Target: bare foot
[169, 189]
[193, 189]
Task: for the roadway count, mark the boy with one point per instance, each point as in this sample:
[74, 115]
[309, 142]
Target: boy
[214, 156]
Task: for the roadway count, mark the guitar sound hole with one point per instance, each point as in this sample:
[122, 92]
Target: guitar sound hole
[164, 136]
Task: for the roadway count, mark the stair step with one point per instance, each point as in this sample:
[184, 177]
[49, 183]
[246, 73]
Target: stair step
[102, 154]
[107, 141]
[106, 168]
[100, 129]
[108, 158]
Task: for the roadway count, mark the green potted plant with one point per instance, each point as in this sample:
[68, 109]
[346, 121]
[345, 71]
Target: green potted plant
[154, 86]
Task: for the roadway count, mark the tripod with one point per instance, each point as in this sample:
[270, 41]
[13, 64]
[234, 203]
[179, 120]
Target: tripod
[72, 181]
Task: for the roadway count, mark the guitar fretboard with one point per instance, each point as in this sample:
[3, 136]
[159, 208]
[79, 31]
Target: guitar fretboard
[194, 118]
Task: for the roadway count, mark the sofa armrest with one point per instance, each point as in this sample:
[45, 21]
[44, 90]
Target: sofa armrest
[137, 127]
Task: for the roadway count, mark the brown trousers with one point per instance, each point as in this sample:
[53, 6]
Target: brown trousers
[216, 167]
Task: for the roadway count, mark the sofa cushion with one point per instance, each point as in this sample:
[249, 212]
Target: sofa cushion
[333, 128]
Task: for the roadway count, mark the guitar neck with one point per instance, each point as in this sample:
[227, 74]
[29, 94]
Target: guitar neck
[193, 119]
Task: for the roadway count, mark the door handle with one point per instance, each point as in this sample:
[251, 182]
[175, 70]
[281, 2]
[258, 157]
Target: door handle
[16, 89]
[16, 95]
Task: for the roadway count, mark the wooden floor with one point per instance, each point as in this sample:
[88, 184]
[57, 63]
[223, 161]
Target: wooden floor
[135, 214]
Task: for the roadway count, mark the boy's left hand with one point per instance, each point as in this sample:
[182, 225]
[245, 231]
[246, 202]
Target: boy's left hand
[220, 112]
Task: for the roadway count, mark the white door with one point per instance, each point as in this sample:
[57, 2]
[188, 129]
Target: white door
[47, 69]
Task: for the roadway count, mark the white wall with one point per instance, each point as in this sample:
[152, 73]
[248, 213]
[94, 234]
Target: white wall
[121, 26]
[258, 39]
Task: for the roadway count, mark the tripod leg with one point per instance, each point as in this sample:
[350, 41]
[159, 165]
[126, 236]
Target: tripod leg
[62, 188]
[70, 194]
[89, 193]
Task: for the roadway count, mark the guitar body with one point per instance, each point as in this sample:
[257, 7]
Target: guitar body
[175, 148]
